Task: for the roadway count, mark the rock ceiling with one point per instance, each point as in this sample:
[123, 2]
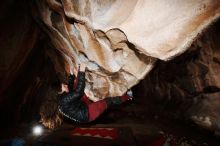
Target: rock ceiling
[120, 41]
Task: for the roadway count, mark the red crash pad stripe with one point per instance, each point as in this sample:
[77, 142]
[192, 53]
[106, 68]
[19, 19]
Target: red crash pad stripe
[109, 133]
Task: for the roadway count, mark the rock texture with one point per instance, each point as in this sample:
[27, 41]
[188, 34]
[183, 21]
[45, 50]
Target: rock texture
[189, 86]
[121, 41]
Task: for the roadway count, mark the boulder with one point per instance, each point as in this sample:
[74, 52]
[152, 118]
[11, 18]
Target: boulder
[121, 41]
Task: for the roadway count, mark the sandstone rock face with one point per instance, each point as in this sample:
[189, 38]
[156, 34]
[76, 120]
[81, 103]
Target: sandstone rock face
[189, 86]
[121, 40]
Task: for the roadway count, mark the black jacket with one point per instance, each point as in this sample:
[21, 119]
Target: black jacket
[70, 104]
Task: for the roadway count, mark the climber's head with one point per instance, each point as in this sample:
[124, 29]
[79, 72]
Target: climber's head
[49, 112]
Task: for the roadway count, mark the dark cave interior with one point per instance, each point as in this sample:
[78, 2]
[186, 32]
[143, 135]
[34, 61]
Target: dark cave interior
[164, 101]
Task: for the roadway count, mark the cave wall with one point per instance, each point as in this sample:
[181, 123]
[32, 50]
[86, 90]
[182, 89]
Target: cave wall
[21, 62]
[26, 69]
[18, 36]
[120, 42]
[188, 87]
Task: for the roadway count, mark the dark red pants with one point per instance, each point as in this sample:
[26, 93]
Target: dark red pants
[95, 109]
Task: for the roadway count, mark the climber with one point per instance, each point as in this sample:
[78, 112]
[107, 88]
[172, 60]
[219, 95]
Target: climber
[75, 105]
